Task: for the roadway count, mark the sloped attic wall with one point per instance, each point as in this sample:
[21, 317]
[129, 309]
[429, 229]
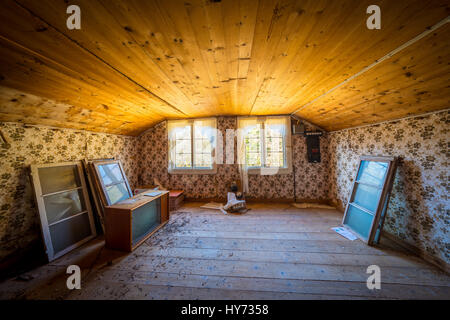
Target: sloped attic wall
[311, 179]
[19, 221]
[419, 209]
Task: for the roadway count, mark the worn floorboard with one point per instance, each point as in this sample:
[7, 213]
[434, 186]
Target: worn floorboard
[275, 251]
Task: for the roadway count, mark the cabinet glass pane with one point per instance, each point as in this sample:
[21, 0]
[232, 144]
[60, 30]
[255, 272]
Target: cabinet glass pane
[117, 193]
[56, 179]
[69, 232]
[145, 219]
[62, 205]
[359, 221]
[366, 196]
[110, 173]
[372, 172]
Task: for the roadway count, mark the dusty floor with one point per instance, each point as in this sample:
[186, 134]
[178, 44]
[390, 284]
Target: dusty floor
[275, 251]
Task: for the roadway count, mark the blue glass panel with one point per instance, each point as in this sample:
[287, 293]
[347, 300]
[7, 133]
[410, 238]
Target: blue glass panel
[372, 172]
[359, 221]
[110, 173]
[366, 196]
[145, 219]
[117, 193]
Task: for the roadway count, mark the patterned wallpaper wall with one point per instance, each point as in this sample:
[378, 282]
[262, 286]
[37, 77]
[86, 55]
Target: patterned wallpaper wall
[419, 207]
[419, 210]
[19, 222]
[311, 180]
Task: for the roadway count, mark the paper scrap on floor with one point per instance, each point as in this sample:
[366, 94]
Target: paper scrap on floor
[212, 205]
[305, 205]
[345, 233]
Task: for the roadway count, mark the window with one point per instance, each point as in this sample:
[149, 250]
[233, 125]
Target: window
[369, 198]
[264, 144]
[192, 146]
[64, 208]
[113, 181]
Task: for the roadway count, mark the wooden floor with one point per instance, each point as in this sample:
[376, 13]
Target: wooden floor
[275, 251]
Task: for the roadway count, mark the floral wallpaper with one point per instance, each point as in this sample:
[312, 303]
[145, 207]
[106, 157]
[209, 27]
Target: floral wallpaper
[19, 220]
[311, 180]
[419, 210]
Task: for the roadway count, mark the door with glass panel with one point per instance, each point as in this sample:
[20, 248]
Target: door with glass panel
[369, 199]
[64, 208]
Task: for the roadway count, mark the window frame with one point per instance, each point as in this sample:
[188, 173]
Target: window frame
[40, 196]
[104, 194]
[194, 170]
[287, 148]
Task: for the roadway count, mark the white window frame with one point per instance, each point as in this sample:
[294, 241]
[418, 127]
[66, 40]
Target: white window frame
[45, 225]
[287, 148]
[194, 170]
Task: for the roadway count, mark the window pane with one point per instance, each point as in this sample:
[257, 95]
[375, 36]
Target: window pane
[366, 196]
[183, 160]
[274, 131]
[62, 205]
[117, 192]
[252, 143]
[69, 232]
[202, 146]
[275, 159]
[274, 144]
[203, 132]
[359, 221]
[372, 172]
[254, 132]
[183, 132]
[253, 159]
[207, 160]
[59, 178]
[203, 161]
[204, 142]
[206, 146]
[183, 146]
[110, 173]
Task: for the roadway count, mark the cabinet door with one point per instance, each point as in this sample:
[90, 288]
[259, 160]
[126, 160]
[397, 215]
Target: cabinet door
[145, 219]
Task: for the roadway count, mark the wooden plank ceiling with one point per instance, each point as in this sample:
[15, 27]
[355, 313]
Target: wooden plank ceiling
[135, 63]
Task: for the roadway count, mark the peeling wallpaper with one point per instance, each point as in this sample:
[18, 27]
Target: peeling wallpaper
[419, 209]
[311, 180]
[19, 220]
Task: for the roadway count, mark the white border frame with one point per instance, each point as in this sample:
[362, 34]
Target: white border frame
[287, 148]
[39, 197]
[194, 170]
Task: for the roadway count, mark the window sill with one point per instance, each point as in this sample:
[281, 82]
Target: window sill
[193, 171]
[269, 172]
